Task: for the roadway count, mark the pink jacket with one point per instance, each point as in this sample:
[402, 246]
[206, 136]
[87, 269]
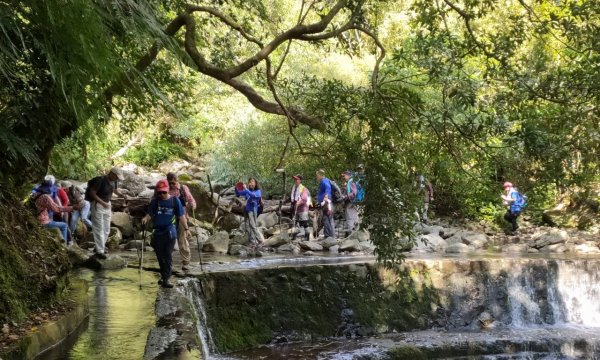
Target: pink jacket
[45, 203]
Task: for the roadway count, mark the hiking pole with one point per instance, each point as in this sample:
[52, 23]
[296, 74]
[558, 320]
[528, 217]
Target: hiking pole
[197, 241]
[142, 253]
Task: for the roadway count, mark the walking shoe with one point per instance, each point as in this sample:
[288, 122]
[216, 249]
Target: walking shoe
[185, 267]
[100, 256]
[160, 281]
[167, 285]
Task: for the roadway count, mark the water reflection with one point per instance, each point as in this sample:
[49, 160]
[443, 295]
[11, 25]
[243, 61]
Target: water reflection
[121, 315]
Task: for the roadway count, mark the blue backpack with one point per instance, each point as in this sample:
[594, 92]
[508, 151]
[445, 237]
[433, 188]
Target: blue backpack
[521, 200]
[360, 190]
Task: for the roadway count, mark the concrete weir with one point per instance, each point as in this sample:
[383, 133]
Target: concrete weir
[426, 303]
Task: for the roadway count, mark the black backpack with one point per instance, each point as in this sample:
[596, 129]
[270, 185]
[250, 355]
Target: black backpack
[336, 192]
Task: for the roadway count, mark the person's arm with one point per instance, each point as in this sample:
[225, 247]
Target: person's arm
[303, 198]
[430, 189]
[97, 199]
[51, 205]
[189, 199]
[321, 193]
[352, 194]
[182, 218]
[150, 212]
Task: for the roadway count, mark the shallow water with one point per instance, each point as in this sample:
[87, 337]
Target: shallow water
[121, 315]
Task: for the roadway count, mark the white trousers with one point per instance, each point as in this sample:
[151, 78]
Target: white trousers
[100, 225]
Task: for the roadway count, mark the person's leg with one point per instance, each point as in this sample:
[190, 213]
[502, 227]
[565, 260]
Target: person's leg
[157, 244]
[515, 226]
[329, 230]
[107, 214]
[74, 218]
[424, 216]
[97, 230]
[184, 245]
[85, 213]
[59, 225]
[256, 236]
[170, 241]
[351, 218]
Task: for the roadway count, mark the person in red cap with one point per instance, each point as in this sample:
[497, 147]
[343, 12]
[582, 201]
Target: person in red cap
[300, 198]
[512, 199]
[165, 210]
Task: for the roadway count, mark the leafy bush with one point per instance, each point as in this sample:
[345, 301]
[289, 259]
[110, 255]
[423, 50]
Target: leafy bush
[154, 152]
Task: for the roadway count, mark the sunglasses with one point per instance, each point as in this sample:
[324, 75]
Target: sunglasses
[162, 192]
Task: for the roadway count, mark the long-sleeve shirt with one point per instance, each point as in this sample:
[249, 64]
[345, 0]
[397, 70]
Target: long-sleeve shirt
[350, 191]
[252, 199]
[189, 199]
[327, 207]
[44, 203]
[324, 189]
[299, 198]
[62, 195]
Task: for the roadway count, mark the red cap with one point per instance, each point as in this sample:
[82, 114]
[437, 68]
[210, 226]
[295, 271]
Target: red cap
[507, 184]
[162, 185]
[239, 186]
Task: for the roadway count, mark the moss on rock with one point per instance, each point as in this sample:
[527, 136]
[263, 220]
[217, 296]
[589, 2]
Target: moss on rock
[33, 264]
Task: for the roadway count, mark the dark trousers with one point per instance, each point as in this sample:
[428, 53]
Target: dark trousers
[164, 244]
[328, 227]
[511, 217]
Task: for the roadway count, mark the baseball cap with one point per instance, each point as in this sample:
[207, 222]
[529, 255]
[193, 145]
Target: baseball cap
[162, 185]
[347, 172]
[507, 184]
[118, 172]
[298, 177]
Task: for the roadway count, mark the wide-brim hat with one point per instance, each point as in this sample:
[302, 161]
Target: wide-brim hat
[118, 173]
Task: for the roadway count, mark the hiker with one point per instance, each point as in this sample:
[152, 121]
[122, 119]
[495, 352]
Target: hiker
[76, 196]
[300, 197]
[424, 187]
[349, 195]
[99, 193]
[325, 191]
[49, 185]
[44, 204]
[253, 195]
[63, 198]
[182, 192]
[512, 199]
[165, 210]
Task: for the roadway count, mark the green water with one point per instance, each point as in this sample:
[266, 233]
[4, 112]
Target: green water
[121, 315]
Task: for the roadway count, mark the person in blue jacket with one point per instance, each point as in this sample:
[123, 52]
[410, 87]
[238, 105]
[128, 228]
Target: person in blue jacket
[164, 211]
[253, 196]
[326, 211]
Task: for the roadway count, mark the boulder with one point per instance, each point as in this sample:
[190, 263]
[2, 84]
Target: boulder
[430, 243]
[554, 248]
[350, 245]
[515, 249]
[112, 262]
[477, 240]
[275, 241]
[329, 242]
[199, 234]
[334, 249]
[219, 242]
[425, 229]
[588, 247]
[122, 221]
[230, 221]
[554, 236]
[294, 249]
[311, 245]
[240, 250]
[239, 239]
[456, 238]
[133, 183]
[360, 235]
[114, 238]
[367, 246]
[134, 244]
[448, 232]
[77, 255]
[268, 220]
[457, 248]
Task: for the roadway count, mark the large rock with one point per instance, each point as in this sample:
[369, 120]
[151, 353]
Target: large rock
[329, 242]
[114, 238]
[350, 245]
[219, 242]
[425, 229]
[554, 248]
[448, 232]
[134, 184]
[476, 240]
[122, 221]
[275, 241]
[554, 236]
[77, 255]
[589, 247]
[360, 235]
[457, 248]
[134, 244]
[310, 245]
[430, 243]
[268, 220]
[113, 262]
[241, 250]
[239, 239]
[334, 249]
[199, 234]
[367, 246]
[230, 221]
[294, 249]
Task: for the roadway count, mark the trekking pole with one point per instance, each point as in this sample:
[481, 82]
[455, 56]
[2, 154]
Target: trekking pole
[142, 253]
[198, 242]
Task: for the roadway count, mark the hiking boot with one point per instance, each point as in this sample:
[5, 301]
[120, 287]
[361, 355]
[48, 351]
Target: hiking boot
[166, 285]
[100, 256]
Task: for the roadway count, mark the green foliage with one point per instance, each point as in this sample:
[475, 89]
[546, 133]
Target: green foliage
[154, 152]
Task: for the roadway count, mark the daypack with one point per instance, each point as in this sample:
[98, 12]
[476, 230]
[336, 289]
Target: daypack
[30, 203]
[360, 190]
[336, 192]
[521, 199]
[75, 194]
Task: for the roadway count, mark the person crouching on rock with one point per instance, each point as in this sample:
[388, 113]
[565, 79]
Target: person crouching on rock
[164, 211]
[253, 208]
[44, 205]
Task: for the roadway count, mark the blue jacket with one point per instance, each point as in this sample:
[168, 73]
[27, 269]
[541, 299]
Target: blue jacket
[252, 199]
[324, 188]
[517, 205]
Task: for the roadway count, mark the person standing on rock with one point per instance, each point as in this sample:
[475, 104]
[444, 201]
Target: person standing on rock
[424, 187]
[300, 197]
[253, 195]
[349, 192]
[165, 210]
[512, 199]
[325, 191]
[99, 193]
[182, 192]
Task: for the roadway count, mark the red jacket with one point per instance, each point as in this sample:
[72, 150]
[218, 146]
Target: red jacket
[63, 197]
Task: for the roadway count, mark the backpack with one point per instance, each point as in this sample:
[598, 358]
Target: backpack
[360, 191]
[336, 192]
[261, 206]
[75, 194]
[30, 203]
[521, 199]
